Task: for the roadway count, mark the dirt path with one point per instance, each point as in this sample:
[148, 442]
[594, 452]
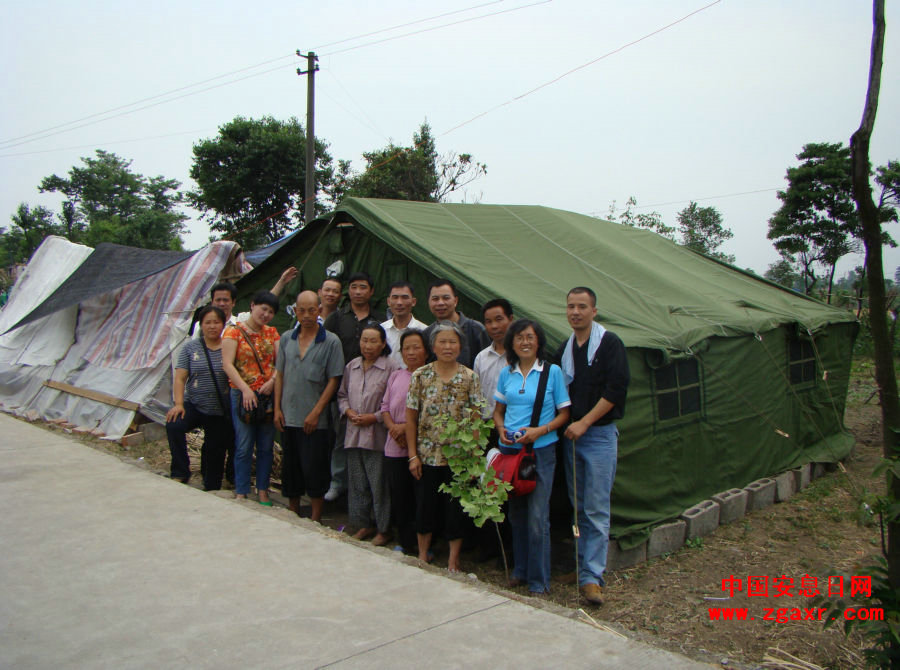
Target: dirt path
[820, 532]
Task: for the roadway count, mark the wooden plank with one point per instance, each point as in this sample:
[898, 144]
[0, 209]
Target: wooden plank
[94, 395]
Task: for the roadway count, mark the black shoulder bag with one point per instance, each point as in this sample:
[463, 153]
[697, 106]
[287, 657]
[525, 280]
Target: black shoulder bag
[226, 407]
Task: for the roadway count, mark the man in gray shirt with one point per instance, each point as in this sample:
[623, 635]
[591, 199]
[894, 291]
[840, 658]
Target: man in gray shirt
[308, 367]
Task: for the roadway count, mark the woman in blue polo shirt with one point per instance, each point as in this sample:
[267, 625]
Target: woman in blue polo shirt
[517, 388]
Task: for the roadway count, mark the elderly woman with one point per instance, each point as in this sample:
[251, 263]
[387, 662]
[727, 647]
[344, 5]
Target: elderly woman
[401, 485]
[516, 393]
[359, 399]
[444, 388]
[248, 358]
[199, 388]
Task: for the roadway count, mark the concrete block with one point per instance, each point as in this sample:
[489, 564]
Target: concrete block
[785, 486]
[732, 504]
[619, 559]
[760, 494]
[801, 477]
[82, 430]
[32, 415]
[153, 432]
[132, 440]
[666, 538]
[96, 432]
[701, 519]
[816, 470]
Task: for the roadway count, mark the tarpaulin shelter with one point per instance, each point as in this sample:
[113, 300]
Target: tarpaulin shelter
[87, 335]
[734, 378]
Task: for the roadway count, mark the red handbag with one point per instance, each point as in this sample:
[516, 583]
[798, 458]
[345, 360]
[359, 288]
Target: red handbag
[520, 468]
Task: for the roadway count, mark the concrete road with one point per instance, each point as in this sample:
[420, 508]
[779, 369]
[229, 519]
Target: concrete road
[105, 565]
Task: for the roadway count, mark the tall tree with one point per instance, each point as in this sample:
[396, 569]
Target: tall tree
[817, 219]
[416, 172]
[251, 178]
[649, 220]
[871, 219]
[105, 201]
[702, 230]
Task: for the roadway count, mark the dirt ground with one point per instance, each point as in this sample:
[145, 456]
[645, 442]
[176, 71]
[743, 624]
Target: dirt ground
[822, 531]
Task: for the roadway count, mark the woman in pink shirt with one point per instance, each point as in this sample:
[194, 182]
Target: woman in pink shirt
[400, 482]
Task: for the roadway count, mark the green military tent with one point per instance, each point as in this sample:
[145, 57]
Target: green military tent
[733, 378]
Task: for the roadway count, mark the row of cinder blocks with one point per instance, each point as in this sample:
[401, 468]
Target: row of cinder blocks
[704, 517]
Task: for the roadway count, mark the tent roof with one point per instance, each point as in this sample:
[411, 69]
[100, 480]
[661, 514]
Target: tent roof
[652, 292]
[257, 256]
[109, 267]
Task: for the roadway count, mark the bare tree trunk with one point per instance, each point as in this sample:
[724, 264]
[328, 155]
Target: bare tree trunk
[831, 282]
[881, 336]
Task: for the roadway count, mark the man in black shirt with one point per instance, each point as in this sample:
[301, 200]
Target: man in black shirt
[442, 301]
[595, 366]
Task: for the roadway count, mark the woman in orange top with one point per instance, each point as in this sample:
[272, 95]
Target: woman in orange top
[251, 375]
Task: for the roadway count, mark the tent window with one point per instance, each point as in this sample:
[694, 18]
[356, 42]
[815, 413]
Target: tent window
[802, 362]
[678, 389]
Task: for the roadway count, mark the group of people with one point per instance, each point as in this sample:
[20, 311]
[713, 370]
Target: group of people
[361, 404]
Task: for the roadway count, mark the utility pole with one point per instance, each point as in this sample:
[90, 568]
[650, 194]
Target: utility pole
[309, 192]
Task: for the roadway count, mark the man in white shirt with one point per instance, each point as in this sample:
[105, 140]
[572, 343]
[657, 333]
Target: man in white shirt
[497, 315]
[401, 300]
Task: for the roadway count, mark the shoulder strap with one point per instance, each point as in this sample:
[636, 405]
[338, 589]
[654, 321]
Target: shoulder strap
[253, 349]
[539, 398]
[212, 374]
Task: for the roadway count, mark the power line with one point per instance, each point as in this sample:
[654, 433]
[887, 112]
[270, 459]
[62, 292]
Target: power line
[142, 100]
[710, 197]
[404, 25]
[152, 104]
[445, 25]
[96, 144]
[580, 67]
[109, 113]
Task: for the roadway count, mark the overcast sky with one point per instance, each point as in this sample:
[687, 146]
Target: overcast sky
[713, 108]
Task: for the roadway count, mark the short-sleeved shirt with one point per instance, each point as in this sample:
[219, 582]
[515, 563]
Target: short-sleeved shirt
[433, 398]
[304, 379]
[518, 394]
[265, 342]
[488, 364]
[362, 390]
[394, 403]
[393, 336]
[199, 389]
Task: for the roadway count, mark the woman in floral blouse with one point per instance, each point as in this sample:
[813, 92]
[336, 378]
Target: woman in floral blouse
[439, 390]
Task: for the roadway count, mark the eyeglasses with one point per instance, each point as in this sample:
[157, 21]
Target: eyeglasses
[525, 338]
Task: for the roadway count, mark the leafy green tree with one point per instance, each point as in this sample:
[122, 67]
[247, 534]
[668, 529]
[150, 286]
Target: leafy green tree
[702, 230]
[784, 271]
[28, 230]
[649, 220]
[416, 172]
[251, 179]
[104, 201]
[817, 220]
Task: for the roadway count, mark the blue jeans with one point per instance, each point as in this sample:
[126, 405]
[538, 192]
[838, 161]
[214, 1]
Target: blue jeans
[595, 470]
[245, 435]
[529, 517]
